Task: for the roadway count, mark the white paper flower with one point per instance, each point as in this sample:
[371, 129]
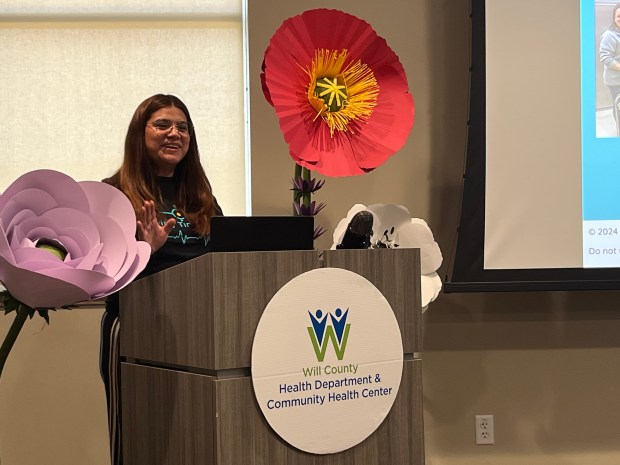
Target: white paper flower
[393, 227]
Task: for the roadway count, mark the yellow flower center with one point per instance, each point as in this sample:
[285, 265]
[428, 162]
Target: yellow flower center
[332, 91]
[52, 246]
[341, 93]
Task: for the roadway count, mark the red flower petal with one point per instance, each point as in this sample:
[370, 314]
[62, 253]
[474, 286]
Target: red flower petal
[366, 144]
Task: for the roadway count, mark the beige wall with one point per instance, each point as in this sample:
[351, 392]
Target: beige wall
[52, 401]
[545, 364]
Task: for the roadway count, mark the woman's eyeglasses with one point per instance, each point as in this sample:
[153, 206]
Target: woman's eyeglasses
[164, 127]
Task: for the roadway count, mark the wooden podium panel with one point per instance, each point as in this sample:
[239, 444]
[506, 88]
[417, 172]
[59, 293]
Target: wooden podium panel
[393, 272]
[203, 313]
[185, 418]
[168, 416]
[186, 339]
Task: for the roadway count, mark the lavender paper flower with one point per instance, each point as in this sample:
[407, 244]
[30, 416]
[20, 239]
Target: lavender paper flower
[310, 210]
[393, 227]
[306, 186]
[92, 222]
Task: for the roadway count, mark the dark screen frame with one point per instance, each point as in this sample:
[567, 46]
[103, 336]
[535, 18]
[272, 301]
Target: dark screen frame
[466, 271]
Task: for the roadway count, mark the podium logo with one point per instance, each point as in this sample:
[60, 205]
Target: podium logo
[322, 332]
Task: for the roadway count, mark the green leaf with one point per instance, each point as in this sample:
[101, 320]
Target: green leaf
[44, 313]
[9, 302]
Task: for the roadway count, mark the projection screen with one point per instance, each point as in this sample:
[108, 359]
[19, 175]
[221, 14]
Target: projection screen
[541, 194]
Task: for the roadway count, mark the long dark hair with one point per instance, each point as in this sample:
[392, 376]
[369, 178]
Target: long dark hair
[613, 16]
[137, 176]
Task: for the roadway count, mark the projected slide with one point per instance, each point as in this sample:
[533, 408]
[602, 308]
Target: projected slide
[600, 91]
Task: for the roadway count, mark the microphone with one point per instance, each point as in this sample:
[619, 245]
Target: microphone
[359, 230]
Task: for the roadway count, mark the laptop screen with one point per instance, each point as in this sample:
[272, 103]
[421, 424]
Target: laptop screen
[261, 233]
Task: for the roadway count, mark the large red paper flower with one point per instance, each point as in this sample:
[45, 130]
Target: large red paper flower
[339, 91]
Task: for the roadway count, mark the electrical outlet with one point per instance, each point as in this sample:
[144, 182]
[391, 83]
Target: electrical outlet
[484, 429]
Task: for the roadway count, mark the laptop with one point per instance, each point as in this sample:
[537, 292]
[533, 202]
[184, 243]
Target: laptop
[261, 233]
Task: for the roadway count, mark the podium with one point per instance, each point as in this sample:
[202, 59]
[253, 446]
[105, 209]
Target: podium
[186, 342]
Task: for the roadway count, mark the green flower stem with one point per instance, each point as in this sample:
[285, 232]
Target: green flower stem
[295, 194]
[11, 337]
[307, 196]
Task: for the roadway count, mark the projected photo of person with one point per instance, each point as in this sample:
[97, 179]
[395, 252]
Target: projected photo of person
[608, 94]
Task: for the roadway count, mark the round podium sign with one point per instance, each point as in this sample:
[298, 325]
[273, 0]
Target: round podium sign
[327, 360]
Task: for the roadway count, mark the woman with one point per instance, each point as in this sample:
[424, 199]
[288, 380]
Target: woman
[609, 54]
[163, 178]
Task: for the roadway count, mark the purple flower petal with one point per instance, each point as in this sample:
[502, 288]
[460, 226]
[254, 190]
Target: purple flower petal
[73, 224]
[304, 186]
[5, 248]
[141, 258]
[62, 188]
[113, 242]
[29, 254]
[87, 262]
[35, 201]
[112, 203]
[92, 282]
[93, 221]
[47, 293]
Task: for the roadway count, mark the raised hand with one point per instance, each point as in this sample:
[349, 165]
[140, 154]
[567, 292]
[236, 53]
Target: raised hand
[149, 229]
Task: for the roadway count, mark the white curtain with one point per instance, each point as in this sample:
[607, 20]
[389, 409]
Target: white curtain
[74, 71]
